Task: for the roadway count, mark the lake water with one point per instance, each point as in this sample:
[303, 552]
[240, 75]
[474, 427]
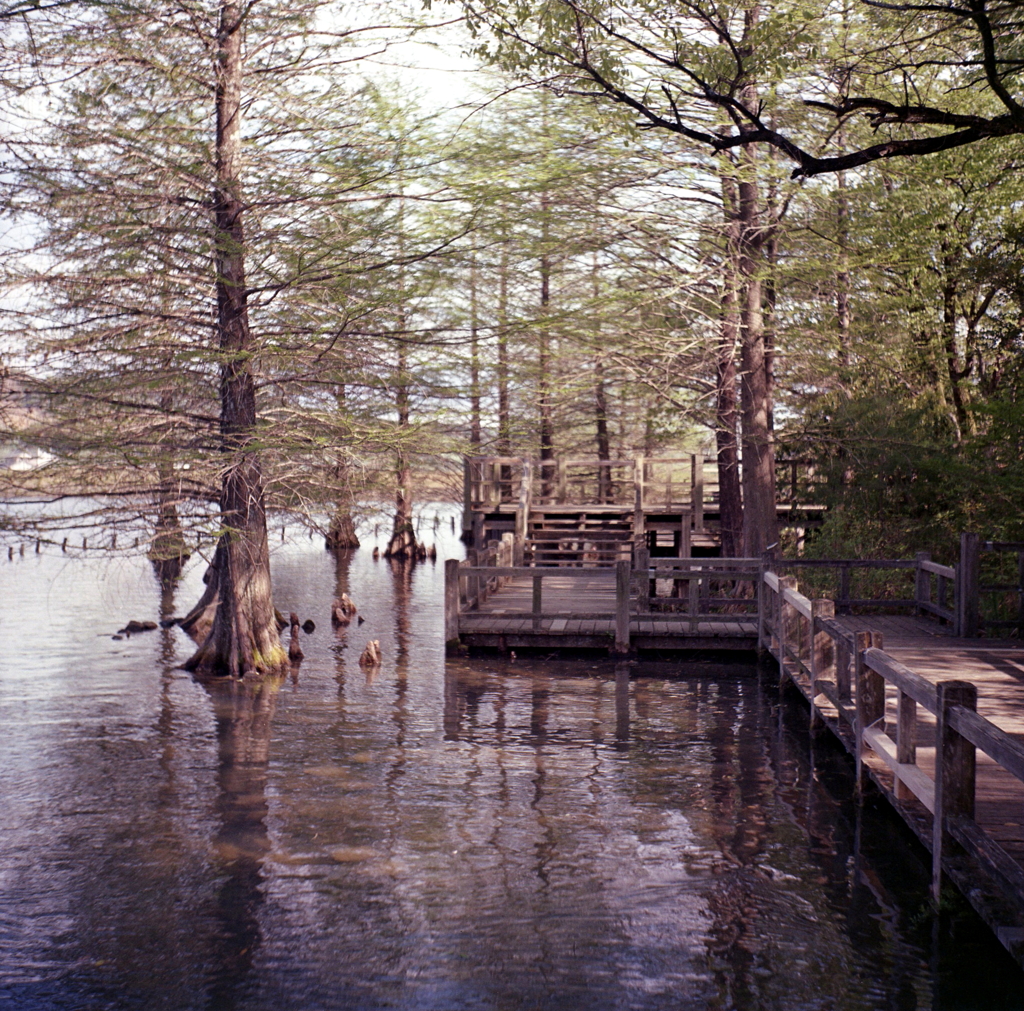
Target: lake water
[472, 833]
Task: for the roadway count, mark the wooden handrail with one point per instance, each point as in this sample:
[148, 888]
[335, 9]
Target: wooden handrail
[947, 571]
[920, 689]
[537, 572]
[1003, 749]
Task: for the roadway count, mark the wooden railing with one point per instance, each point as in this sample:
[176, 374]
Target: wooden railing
[468, 584]
[932, 583]
[846, 678]
[462, 577]
[694, 581]
[971, 588]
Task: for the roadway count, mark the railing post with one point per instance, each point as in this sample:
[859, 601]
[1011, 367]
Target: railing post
[686, 535]
[954, 771]
[967, 595]
[870, 695]
[764, 639]
[451, 604]
[467, 496]
[472, 582]
[693, 600]
[561, 482]
[844, 590]
[697, 489]
[906, 738]
[537, 602]
[823, 655]
[643, 565]
[922, 581]
[843, 662]
[623, 575]
[523, 510]
[783, 617]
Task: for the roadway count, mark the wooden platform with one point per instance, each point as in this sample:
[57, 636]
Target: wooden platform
[579, 613]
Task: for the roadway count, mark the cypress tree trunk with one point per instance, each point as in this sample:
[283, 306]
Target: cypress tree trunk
[167, 552]
[604, 446]
[547, 435]
[843, 280]
[243, 636]
[726, 401]
[403, 536]
[760, 524]
[341, 534]
[474, 362]
[759, 519]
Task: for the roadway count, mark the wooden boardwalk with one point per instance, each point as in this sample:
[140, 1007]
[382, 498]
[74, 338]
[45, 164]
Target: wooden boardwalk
[996, 669]
[896, 691]
[935, 721]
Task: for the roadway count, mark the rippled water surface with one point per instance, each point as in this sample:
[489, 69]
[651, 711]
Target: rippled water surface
[481, 833]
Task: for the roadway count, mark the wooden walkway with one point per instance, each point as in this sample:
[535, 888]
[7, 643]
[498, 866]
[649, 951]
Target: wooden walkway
[899, 691]
[996, 669]
[935, 721]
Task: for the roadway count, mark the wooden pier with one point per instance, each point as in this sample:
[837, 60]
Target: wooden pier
[932, 713]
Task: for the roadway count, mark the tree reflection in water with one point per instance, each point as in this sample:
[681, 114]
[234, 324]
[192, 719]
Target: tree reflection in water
[243, 711]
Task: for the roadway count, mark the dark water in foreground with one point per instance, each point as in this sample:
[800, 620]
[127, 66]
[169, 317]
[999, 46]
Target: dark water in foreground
[481, 834]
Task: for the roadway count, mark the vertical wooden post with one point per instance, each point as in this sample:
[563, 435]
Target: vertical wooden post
[764, 638]
[478, 530]
[906, 739]
[472, 597]
[922, 581]
[643, 565]
[693, 600]
[537, 603]
[870, 688]
[762, 596]
[623, 576]
[823, 657]
[685, 535]
[967, 596]
[843, 659]
[561, 482]
[467, 495]
[823, 660]
[523, 510]
[844, 589]
[783, 621]
[697, 490]
[451, 604]
[954, 771]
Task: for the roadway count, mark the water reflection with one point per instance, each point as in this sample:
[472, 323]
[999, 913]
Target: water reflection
[477, 833]
[243, 713]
